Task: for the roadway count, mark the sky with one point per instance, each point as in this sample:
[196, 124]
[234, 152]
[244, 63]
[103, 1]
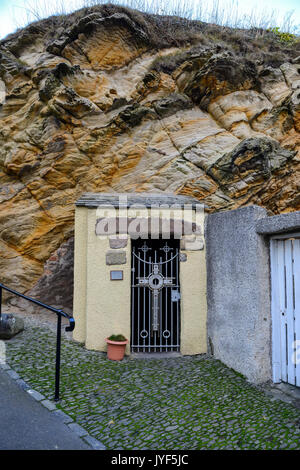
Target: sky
[15, 13]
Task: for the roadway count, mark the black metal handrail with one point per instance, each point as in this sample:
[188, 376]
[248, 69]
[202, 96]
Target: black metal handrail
[59, 313]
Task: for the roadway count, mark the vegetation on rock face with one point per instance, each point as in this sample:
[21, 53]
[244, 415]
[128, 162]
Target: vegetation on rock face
[283, 36]
[111, 99]
[224, 13]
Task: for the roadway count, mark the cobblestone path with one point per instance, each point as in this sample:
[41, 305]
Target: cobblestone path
[179, 403]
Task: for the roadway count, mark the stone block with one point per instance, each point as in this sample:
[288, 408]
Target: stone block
[192, 243]
[36, 395]
[116, 257]
[116, 243]
[49, 405]
[10, 326]
[66, 419]
[80, 431]
[22, 384]
[279, 224]
[94, 443]
[13, 374]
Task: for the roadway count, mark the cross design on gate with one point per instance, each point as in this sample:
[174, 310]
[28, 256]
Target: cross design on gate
[155, 281]
[166, 248]
[145, 248]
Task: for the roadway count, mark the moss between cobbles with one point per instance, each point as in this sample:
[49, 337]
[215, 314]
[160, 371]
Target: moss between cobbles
[180, 403]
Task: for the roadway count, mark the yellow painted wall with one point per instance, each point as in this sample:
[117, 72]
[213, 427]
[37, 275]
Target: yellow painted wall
[108, 302]
[80, 268]
[193, 303]
[102, 306]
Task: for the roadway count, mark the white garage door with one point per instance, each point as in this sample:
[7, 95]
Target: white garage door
[285, 279]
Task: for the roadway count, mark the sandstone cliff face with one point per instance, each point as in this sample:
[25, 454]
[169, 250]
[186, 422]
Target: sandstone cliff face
[95, 103]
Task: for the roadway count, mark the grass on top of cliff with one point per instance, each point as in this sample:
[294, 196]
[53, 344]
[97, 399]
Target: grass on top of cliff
[269, 46]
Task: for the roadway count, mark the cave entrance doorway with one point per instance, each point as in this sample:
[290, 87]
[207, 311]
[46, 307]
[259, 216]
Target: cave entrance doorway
[155, 296]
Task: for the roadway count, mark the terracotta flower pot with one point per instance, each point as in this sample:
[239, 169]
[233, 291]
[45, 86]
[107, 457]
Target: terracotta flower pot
[116, 349]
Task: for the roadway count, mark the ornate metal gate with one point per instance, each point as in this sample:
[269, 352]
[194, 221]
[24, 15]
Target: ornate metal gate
[155, 296]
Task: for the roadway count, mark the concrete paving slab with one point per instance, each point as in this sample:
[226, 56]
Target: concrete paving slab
[26, 424]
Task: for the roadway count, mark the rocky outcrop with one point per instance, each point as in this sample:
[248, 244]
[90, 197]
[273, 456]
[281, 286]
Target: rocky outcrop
[112, 100]
[10, 326]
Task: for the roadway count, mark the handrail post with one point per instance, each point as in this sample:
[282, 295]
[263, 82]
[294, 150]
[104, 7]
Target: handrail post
[60, 313]
[57, 365]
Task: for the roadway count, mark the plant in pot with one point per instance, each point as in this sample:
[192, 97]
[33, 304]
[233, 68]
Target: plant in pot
[116, 345]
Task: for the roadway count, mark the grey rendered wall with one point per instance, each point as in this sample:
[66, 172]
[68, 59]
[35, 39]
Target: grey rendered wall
[238, 292]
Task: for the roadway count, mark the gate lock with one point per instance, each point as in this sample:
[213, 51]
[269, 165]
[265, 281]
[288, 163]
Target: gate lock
[175, 296]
